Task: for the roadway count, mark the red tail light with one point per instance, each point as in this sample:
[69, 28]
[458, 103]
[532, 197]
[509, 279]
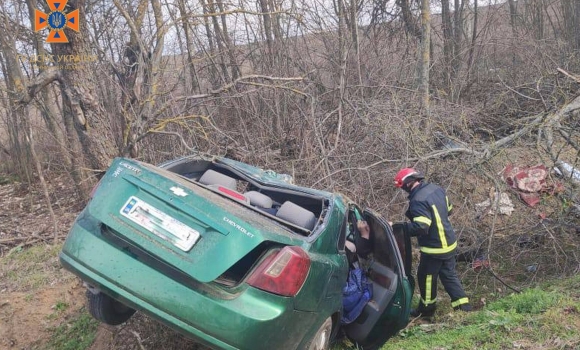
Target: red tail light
[282, 273]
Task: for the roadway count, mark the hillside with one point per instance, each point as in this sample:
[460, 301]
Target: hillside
[43, 307]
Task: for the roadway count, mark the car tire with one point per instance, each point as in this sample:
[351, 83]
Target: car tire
[108, 310]
[321, 340]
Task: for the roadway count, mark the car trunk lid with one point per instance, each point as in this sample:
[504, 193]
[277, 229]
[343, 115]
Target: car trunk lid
[181, 223]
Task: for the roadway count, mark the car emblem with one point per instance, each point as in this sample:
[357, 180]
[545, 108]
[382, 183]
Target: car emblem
[178, 191]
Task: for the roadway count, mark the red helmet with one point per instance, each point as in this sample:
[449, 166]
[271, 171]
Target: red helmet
[405, 175]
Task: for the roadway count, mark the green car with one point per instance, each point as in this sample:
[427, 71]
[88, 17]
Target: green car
[233, 256]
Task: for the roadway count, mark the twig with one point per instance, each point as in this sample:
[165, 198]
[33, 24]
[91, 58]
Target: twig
[5, 241]
[576, 79]
[138, 339]
[502, 281]
[179, 136]
[240, 80]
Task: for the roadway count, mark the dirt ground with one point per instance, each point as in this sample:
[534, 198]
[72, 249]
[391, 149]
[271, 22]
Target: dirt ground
[26, 318]
[33, 292]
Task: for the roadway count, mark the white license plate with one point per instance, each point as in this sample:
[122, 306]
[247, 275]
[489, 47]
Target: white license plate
[160, 224]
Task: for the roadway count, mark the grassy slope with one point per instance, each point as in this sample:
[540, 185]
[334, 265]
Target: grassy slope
[545, 317]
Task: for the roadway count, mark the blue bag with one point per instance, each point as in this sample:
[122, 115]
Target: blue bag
[355, 295]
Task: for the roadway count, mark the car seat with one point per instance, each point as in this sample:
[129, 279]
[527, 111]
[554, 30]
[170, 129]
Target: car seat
[211, 177]
[259, 199]
[262, 202]
[297, 215]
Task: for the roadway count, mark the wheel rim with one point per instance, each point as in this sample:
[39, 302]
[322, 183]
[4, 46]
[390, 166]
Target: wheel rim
[322, 337]
[321, 343]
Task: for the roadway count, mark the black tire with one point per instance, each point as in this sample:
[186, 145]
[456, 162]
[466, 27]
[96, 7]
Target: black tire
[108, 310]
[321, 340]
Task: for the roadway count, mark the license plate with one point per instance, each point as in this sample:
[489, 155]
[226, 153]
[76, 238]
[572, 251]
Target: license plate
[160, 224]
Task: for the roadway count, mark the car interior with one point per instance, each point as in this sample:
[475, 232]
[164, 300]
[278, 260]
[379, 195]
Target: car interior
[296, 210]
[380, 267]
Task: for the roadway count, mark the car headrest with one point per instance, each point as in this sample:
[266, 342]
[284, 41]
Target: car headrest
[211, 177]
[259, 199]
[297, 215]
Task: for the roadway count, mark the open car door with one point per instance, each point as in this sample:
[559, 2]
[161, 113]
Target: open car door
[404, 243]
[388, 310]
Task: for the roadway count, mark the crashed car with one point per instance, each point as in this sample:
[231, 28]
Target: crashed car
[233, 256]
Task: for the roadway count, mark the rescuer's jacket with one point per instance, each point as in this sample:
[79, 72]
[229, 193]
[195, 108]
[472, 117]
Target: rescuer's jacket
[428, 212]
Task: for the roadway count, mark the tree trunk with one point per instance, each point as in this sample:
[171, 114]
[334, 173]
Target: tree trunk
[513, 15]
[353, 14]
[456, 59]
[79, 91]
[577, 24]
[408, 19]
[188, 32]
[425, 56]
[473, 41]
[447, 42]
[216, 78]
[219, 38]
[48, 109]
[571, 22]
[535, 11]
[14, 81]
[267, 28]
[228, 41]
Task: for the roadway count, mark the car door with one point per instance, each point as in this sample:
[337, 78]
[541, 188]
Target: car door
[404, 244]
[388, 310]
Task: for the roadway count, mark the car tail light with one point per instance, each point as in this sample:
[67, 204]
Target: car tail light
[282, 273]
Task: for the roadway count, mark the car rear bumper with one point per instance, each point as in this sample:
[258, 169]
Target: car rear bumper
[247, 319]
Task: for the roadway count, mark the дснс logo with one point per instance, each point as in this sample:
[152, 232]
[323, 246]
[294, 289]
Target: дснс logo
[57, 20]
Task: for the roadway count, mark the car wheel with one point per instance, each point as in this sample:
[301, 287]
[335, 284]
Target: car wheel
[108, 310]
[321, 339]
[468, 244]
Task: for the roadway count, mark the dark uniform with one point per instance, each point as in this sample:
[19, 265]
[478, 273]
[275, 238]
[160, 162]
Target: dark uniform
[428, 212]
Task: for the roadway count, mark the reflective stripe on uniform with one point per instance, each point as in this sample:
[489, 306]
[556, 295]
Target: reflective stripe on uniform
[460, 302]
[440, 228]
[423, 219]
[449, 206]
[428, 289]
[439, 250]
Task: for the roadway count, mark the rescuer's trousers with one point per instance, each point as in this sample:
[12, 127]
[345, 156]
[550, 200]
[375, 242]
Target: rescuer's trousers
[431, 268]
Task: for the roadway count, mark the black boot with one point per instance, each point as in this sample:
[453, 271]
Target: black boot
[423, 312]
[464, 307]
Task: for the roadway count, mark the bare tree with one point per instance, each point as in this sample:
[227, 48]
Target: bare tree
[409, 19]
[21, 123]
[425, 56]
[570, 10]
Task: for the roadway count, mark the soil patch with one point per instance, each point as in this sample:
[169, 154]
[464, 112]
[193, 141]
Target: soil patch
[28, 318]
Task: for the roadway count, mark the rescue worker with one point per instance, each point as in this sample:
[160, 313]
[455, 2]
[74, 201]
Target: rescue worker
[428, 213]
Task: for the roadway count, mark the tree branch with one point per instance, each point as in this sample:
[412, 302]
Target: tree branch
[485, 152]
[227, 87]
[41, 80]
